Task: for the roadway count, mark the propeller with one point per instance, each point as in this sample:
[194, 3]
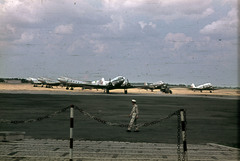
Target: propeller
[110, 83]
[128, 84]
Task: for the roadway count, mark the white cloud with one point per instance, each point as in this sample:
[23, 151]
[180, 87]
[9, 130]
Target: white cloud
[21, 11]
[111, 27]
[207, 12]
[89, 42]
[116, 25]
[11, 28]
[224, 26]
[25, 38]
[233, 3]
[177, 40]
[143, 24]
[64, 29]
[163, 9]
[152, 25]
[116, 4]
[98, 47]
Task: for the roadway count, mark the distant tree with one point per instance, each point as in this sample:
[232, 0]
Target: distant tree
[24, 81]
[182, 85]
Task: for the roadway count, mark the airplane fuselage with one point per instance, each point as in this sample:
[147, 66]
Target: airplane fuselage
[206, 86]
[117, 82]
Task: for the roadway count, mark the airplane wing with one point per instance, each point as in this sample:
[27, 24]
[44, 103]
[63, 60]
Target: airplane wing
[109, 86]
[34, 81]
[163, 87]
[116, 83]
[49, 82]
[68, 82]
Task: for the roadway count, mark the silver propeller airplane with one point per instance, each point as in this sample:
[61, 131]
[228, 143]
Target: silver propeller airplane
[34, 81]
[206, 86]
[116, 83]
[71, 83]
[49, 82]
[158, 85]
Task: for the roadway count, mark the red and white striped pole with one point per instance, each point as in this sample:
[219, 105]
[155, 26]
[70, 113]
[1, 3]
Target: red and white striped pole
[71, 133]
[183, 124]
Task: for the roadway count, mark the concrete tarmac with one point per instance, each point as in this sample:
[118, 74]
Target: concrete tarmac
[209, 119]
[58, 150]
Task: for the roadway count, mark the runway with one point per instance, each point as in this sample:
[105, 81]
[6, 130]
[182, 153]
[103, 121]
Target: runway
[209, 119]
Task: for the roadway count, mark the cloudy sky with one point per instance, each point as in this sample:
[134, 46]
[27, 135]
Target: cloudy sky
[176, 41]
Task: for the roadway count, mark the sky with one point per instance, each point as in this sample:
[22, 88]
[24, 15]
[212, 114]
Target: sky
[175, 41]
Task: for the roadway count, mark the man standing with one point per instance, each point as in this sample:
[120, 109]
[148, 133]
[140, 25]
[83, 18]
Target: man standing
[134, 115]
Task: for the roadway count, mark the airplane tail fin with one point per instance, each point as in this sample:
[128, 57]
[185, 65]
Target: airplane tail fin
[193, 85]
[102, 81]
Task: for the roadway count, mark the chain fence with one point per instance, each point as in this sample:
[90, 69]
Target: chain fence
[35, 120]
[124, 125]
[146, 124]
[88, 115]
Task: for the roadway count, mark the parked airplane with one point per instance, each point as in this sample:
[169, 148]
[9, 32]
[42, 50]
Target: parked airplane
[34, 81]
[49, 82]
[158, 85]
[116, 83]
[206, 86]
[71, 83]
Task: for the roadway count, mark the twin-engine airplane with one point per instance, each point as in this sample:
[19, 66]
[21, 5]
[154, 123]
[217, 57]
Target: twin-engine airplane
[206, 86]
[71, 83]
[34, 81]
[158, 85]
[119, 82]
[49, 82]
[116, 83]
[43, 81]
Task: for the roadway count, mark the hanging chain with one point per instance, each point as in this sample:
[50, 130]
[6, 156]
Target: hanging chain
[89, 116]
[113, 124]
[185, 119]
[34, 120]
[123, 125]
[178, 135]
[100, 120]
[157, 121]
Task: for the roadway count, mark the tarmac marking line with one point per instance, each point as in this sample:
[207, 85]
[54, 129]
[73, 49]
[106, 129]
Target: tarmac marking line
[65, 154]
[98, 150]
[56, 149]
[13, 153]
[222, 146]
[19, 158]
[115, 156]
[213, 157]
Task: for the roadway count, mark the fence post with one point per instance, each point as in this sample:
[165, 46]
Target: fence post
[183, 125]
[71, 133]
